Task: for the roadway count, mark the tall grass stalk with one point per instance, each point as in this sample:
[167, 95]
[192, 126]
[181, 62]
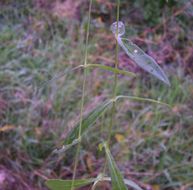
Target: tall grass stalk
[115, 77]
[83, 95]
[113, 109]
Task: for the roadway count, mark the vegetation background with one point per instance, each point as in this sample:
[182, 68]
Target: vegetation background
[40, 39]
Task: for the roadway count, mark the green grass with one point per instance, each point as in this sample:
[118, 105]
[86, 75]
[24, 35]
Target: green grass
[156, 141]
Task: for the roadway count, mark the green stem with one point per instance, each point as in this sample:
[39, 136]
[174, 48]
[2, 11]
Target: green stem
[115, 80]
[113, 109]
[83, 97]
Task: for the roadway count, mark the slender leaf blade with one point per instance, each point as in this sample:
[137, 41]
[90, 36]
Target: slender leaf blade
[87, 121]
[111, 69]
[116, 177]
[103, 67]
[128, 182]
[58, 184]
[132, 184]
[142, 99]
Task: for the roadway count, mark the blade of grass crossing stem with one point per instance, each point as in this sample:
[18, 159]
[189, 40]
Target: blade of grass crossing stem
[103, 67]
[87, 121]
[127, 182]
[111, 69]
[142, 99]
[57, 184]
[116, 177]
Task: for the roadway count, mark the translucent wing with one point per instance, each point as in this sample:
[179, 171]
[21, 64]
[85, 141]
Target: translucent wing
[136, 54]
[142, 59]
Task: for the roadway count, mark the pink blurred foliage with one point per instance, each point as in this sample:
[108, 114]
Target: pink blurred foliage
[3, 104]
[21, 96]
[10, 180]
[61, 9]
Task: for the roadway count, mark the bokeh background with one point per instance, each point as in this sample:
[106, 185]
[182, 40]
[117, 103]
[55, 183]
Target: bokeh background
[42, 39]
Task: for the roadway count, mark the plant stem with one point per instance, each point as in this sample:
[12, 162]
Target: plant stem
[83, 96]
[113, 109]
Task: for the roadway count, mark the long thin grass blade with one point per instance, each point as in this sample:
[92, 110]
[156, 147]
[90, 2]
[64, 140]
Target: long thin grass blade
[103, 67]
[132, 184]
[57, 184]
[87, 121]
[142, 99]
[116, 177]
[127, 182]
[111, 69]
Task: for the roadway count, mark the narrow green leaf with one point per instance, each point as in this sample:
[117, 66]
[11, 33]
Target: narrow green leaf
[87, 121]
[57, 184]
[116, 177]
[104, 67]
[111, 69]
[142, 99]
[130, 183]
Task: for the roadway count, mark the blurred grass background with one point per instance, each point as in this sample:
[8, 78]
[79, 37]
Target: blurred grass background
[40, 39]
